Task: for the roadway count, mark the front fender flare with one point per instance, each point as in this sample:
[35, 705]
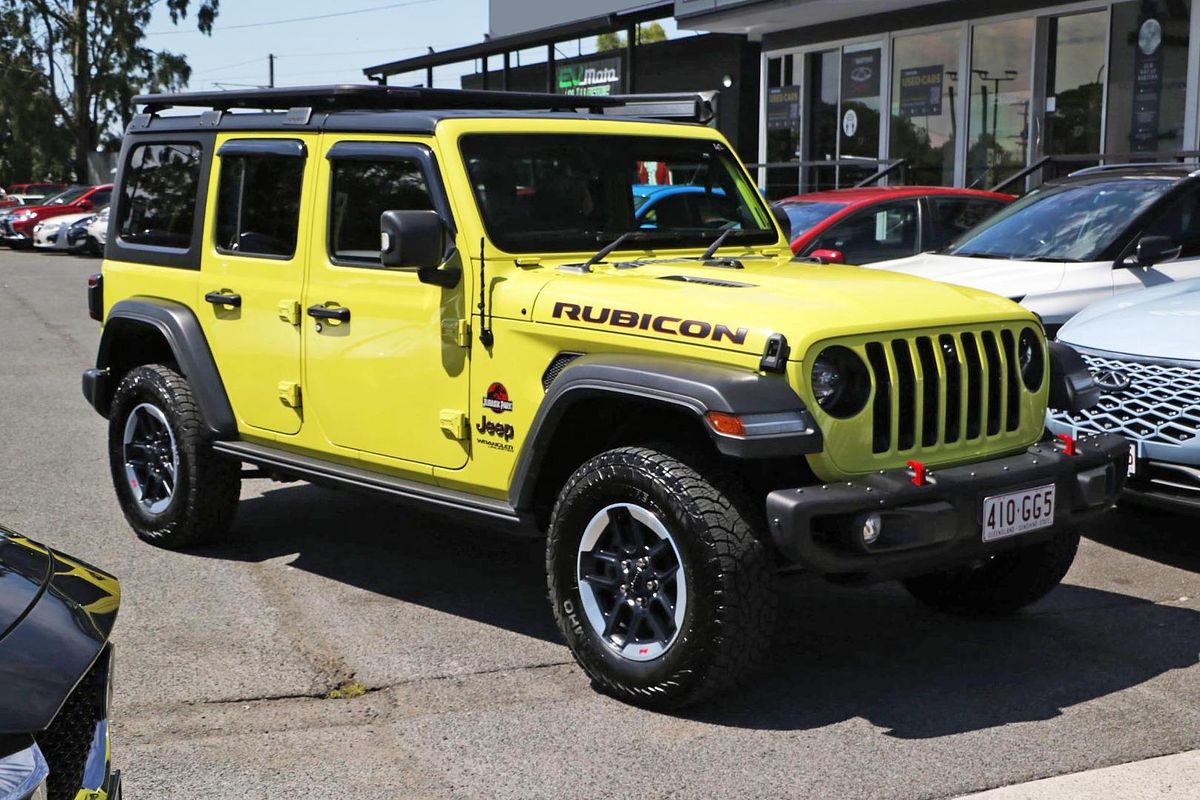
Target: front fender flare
[695, 386]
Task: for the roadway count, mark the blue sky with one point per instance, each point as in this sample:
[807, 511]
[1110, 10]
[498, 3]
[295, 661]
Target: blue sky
[330, 50]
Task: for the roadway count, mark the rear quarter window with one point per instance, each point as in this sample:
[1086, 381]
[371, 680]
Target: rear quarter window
[158, 198]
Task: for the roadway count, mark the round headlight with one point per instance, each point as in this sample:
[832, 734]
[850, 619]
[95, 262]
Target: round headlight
[1032, 359]
[840, 382]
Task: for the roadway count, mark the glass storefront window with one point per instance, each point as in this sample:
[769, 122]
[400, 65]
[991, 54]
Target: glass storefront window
[858, 121]
[782, 105]
[997, 125]
[1147, 76]
[821, 74]
[1075, 66]
[924, 89]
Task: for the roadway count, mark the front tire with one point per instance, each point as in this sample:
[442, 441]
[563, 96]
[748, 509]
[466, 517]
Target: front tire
[1003, 584]
[659, 584]
[174, 490]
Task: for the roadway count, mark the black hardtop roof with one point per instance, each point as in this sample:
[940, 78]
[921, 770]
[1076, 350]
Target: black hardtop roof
[363, 107]
[346, 97]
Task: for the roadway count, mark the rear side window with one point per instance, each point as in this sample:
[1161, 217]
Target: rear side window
[361, 191]
[258, 204]
[158, 201]
[953, 216]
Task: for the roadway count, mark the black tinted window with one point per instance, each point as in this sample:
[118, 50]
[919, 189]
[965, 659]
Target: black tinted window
[954, 216]
[158, 201]
[258, 204]
[361, 192]
[875, 234]
[1180, 221]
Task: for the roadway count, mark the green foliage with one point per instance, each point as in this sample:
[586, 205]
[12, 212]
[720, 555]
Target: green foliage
[68, 72]
[646, 34]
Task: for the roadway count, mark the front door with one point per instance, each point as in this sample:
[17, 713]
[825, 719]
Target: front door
[384, 374]
[251, 274]
[1179, 221]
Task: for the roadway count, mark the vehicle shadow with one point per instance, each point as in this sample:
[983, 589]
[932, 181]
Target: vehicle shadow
[839, 652]
[1166, 537]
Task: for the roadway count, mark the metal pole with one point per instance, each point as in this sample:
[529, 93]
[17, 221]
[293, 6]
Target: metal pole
[271, 70]
[550, 87]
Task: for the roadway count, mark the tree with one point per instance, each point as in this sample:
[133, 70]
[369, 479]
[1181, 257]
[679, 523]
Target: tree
[101, 40]
[650, 32]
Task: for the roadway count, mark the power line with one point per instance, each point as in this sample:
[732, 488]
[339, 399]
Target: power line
[299, 19]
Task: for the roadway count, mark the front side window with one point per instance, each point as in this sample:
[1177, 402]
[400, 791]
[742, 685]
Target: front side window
[1062, 222]
[1180, 222]
[258, 204]
[361, 191]
[875, 234]
[576, 192]
[158, 201]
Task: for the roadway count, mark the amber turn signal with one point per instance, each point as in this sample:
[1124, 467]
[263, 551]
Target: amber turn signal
[728, 424]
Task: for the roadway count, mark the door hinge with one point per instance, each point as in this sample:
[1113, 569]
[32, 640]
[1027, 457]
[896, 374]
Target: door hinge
[454, 423]
[289, 311]
[289, 394]
[457, 331]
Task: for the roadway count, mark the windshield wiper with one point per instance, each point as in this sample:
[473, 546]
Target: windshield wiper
[712, 248]
[604, 251]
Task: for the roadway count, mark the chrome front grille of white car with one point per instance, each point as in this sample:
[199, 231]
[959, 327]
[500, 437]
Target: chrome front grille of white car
[1153, 403]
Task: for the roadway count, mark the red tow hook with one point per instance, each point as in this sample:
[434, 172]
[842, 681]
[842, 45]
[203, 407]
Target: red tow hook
[918, 470]
[1068, 443]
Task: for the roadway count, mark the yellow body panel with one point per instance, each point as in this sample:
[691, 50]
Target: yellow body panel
[389, 390]
[256, 346]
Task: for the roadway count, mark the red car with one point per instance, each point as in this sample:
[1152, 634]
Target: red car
[876, 223]
[16, 229]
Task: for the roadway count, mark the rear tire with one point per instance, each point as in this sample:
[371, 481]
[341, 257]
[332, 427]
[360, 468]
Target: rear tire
[1005, 583]
[174, 490]
[660, 586]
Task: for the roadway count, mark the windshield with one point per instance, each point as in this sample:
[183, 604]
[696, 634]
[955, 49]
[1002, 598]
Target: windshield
[65, 196]
[1072, 222]
[542, 193]
[804, 214]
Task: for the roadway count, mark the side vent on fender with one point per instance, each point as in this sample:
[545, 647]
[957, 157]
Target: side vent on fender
[559, 363]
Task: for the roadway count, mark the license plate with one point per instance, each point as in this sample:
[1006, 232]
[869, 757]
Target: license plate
[1133, 458]
[1018, 512]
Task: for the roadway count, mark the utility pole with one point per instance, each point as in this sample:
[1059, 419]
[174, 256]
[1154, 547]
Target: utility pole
[271, 70]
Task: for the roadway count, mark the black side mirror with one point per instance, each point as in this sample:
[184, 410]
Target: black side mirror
[417, 239]
[784, 222]
[1153, 250]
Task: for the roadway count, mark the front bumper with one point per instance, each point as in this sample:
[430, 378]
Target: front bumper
[939, 524]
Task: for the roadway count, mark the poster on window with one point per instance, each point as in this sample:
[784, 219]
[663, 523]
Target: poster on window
[921, 91]
[1147, 87]
[783, 108]
[860, 75]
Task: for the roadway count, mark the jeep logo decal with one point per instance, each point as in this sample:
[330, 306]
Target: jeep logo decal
[675, 326]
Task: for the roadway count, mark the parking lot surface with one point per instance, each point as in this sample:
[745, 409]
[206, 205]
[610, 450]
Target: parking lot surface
[227, 655]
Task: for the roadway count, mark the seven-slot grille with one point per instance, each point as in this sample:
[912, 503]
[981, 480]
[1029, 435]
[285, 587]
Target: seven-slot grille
[1154, 403]
[943, 389]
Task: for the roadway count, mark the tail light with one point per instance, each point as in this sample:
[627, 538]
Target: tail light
[95, 297]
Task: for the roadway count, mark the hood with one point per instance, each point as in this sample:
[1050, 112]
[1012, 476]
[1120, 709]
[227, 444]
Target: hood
[73, 217]
[737, 309]
[1007, 277]
[56, 614]
[1157, 323]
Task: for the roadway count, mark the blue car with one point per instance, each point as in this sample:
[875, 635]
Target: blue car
[682, 206]
[1143, 349]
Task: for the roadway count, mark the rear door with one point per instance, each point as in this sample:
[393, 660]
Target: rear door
[252, 272]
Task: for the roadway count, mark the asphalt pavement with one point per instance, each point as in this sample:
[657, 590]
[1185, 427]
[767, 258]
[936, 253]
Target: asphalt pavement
[227, 655]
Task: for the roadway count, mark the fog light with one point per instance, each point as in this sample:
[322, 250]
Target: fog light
[872, 527]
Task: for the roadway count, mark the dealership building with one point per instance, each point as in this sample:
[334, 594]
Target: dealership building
[825, 93]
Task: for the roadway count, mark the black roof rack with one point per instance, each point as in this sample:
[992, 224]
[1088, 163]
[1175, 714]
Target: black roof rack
[353, 97]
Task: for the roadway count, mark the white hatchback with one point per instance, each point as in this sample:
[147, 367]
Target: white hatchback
[1074, 241]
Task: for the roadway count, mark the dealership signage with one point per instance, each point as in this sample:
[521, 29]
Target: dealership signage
[921, 91]
[1147, 87]
[860, 75]
[590, 76]
[783, 108]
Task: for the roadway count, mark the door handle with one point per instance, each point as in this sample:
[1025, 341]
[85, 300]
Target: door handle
[223, 299]
[340, 313]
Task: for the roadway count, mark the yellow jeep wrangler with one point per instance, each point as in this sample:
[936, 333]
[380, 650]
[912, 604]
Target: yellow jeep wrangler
[538, 311]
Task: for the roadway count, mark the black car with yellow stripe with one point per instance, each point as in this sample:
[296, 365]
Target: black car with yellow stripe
[56, 666]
